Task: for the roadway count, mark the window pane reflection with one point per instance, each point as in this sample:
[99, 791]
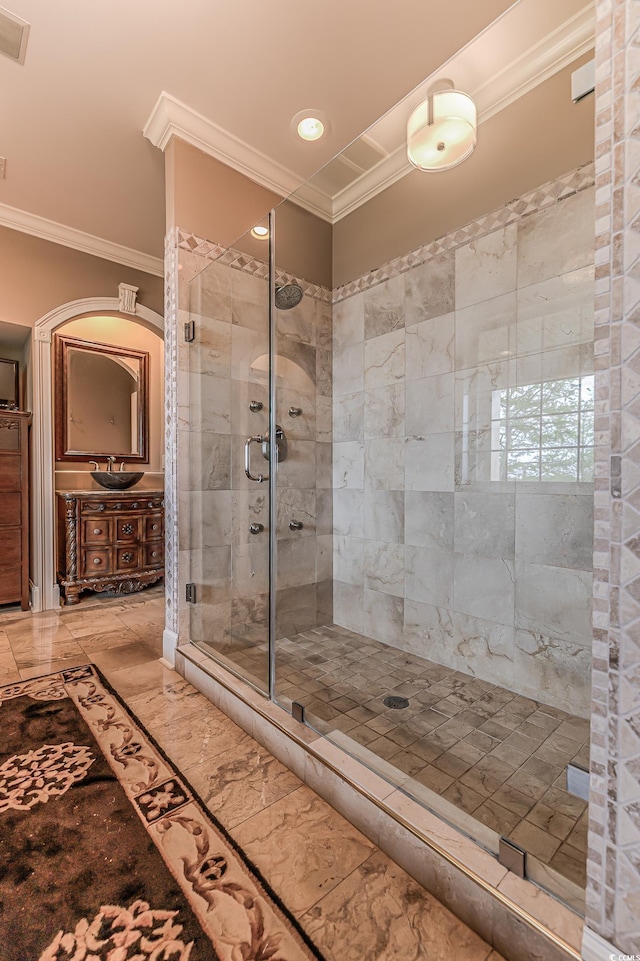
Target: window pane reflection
[543, 431]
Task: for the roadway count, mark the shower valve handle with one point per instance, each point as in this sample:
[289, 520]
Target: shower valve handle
[258, 439]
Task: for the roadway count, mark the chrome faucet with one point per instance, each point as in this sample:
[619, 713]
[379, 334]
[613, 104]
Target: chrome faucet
[110, 462]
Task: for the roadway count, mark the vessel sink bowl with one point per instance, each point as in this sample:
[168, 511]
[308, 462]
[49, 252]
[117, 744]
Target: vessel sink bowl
[117, 480]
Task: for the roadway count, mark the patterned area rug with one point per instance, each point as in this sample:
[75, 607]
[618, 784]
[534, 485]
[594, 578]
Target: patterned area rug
[106, 853]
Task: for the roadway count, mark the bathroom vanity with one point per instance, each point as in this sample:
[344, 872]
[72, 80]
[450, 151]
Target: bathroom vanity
[109, 541]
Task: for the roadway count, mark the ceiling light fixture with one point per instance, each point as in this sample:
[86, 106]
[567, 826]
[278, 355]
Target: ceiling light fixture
[310, 125]
[442, 131]
[259, 232]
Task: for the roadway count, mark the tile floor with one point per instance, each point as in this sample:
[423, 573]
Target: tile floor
[495, 755]
[355, 903]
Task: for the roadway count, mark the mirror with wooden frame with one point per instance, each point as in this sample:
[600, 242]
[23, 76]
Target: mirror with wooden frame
[101, 401]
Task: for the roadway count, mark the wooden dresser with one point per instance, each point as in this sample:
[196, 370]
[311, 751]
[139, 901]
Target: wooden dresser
[14, 507]
[109, 541]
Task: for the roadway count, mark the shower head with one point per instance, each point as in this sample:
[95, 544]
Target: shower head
[288, 296]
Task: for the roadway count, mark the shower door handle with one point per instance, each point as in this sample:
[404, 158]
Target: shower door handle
[258, 439]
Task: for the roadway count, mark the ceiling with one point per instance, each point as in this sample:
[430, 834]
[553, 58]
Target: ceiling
[72, 116]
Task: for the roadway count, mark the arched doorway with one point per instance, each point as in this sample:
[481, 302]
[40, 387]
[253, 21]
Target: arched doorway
[45, 594]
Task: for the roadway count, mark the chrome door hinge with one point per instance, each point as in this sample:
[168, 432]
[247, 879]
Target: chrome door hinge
[190, 331]
[191, 593]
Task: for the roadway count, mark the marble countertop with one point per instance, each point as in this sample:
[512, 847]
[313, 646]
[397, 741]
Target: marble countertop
[110, 493]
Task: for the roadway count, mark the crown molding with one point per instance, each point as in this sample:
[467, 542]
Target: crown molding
[172, 118]
[557, 50]
[56, 233]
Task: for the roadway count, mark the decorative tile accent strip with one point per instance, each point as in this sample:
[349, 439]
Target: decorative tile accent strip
[248, 265]
[613, 899]
[544, 196]
[171, 430]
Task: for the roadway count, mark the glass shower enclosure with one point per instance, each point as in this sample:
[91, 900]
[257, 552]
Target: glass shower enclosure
[391, 497]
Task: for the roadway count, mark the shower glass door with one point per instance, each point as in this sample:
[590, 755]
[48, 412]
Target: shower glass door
[228, 371]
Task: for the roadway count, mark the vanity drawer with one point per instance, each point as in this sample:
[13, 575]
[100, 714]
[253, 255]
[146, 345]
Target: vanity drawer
[10, 584]
[96, 530]
[153, 526]
[10, 435]
[95, 561]
[10, 507]
[127, 558]
[154, 554]
[11, 553]
[10, 473]
[128, 528]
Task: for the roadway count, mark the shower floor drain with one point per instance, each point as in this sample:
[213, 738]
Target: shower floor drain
[395, 702]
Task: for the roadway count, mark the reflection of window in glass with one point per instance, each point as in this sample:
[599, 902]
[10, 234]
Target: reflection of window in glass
[543, 431]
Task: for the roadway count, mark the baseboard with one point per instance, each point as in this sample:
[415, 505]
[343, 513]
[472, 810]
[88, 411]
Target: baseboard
[169, 644]
[595, 948]
[36, 602]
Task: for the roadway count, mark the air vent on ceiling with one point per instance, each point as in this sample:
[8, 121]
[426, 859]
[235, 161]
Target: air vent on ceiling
[14, 33]
[362, 155]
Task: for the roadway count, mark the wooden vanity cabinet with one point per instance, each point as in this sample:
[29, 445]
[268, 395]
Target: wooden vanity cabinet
[14, 507]
[109, 541]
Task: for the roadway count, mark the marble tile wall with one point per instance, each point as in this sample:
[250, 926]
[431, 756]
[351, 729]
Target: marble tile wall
[440, 546]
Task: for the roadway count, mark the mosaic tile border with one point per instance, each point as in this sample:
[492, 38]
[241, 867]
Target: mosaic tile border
[171, 436]
[248, 265]
[613, 899]
[550, 193]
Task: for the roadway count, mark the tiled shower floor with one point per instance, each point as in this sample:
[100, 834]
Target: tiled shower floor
[496, 755]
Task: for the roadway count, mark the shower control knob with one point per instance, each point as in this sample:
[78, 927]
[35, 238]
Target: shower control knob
[256, 528]
[255, 406]
[295, 525]
[295, 411]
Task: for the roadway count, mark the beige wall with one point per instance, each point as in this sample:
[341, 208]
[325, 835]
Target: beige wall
[122, 332]
[38, 276]
[209, 199]
[538, 138]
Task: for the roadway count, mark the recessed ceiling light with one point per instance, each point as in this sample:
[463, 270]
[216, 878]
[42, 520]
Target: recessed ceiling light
[259, 232]
[310, 124]
[310, 128]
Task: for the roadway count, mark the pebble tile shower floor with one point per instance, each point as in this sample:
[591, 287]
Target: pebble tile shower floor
[496, 755]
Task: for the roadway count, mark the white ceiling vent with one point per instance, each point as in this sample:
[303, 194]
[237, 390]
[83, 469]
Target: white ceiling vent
[14, 33]
[362, 155]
